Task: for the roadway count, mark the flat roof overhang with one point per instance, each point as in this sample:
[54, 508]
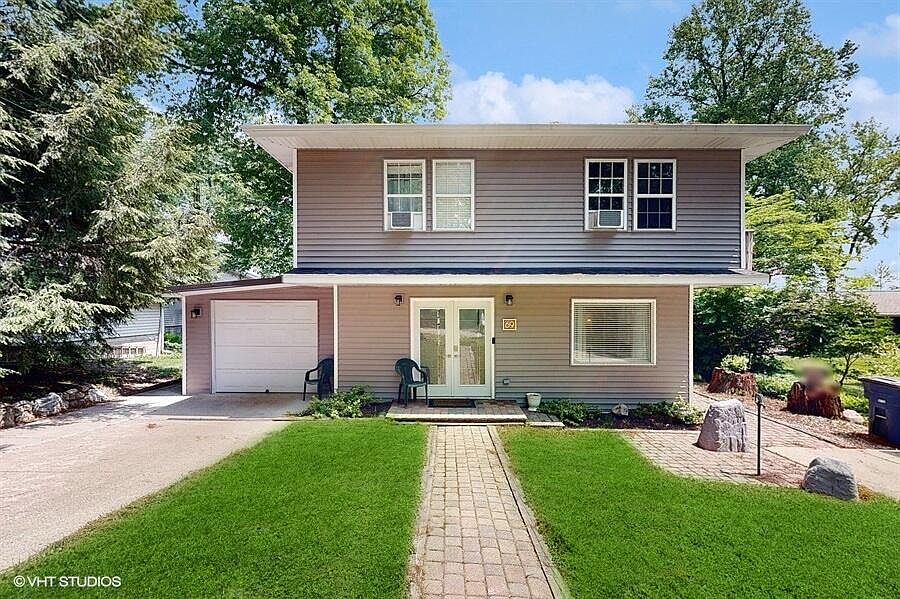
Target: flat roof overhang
[280, 141]
[313, 277]
[510, 277]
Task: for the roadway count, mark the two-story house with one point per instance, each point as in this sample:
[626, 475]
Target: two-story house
[559, 259]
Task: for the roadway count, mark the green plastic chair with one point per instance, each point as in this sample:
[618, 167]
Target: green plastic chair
[409, 382]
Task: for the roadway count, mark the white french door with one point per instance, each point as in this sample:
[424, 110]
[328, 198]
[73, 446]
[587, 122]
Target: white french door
[453, 338]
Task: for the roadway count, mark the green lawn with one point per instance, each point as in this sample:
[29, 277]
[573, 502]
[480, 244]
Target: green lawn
[620, 527]
[320, 509]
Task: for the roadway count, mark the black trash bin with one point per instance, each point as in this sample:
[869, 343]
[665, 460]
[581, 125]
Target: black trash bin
[883, 393]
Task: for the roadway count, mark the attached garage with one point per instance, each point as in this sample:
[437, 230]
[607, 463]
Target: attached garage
[263, 345]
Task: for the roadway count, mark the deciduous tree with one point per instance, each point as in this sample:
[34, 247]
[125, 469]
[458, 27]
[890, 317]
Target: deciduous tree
[306, 61]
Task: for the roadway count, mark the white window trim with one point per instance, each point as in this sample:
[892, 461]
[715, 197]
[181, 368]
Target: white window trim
[655, 195]
[587, 226]
[435, 194]
[385, 214]
[595, 301]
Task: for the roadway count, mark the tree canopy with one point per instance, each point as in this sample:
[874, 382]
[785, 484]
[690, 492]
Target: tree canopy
[96, 192]
[299, 62]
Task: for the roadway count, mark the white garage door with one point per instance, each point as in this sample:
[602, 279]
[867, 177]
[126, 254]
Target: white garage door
[263, 345]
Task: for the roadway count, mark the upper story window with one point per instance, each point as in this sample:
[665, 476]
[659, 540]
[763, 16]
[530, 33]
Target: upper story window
[654, 195]
[613, 332]
[404, 195]
[453, 195]
[605, 193]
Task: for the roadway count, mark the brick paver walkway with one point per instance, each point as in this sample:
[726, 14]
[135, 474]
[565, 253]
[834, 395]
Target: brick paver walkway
[676, 451]
[475, 537]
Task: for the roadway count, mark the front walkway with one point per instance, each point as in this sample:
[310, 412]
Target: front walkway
[475, 537]
[58, 474]
[786, 454]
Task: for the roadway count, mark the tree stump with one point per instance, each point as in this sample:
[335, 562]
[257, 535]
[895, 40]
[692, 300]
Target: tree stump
[736, 383]
[815, 400]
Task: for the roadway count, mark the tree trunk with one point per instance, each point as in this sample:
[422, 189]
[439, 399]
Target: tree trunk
[823, 400]
[726, 381]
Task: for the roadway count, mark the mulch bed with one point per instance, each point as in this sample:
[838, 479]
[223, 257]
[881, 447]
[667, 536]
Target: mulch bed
[632, 422]
[840, 432]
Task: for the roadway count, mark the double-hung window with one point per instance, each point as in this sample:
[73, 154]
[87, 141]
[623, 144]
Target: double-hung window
[605, 193]
[453, 195]
[613, 332]
[404, 195]
[654, 195]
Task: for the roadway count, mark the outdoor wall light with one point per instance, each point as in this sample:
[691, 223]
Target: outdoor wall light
[398, 300]
[508, 299]
[196, 312]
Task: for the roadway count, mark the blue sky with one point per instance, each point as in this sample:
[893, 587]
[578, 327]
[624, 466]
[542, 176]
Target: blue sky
[539, 61]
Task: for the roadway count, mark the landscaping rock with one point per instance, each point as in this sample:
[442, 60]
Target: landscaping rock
[23, 412]
[831, 477]
[49, 405]
[95, 396]
[724, 428]
[620, 410]
[7, 416]
[853, 416]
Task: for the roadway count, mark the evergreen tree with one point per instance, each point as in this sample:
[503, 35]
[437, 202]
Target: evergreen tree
[97, 216]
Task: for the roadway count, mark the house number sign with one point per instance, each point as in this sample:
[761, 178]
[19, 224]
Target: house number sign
[509, 324]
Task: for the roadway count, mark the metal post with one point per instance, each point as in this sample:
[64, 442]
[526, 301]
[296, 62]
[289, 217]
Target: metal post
[759, 403]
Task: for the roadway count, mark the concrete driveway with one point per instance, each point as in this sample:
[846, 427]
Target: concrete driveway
[59, 474]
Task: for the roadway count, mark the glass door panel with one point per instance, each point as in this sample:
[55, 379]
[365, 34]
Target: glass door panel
[471, 331]
[433, 343]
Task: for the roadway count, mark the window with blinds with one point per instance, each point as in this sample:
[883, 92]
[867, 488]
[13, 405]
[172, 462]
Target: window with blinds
[404, 195]
[613, 332]
[453, 195]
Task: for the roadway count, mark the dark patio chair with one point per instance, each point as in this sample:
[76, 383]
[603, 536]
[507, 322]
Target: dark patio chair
[324, 378]
[409, 382]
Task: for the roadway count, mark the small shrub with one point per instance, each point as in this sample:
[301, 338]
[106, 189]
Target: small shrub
[568, 412]
[172, 342]
[775, 385]
[677, 412]
[855, 402]
[736, 363]
[341, 404]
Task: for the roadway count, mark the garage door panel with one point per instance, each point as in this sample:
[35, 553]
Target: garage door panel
[266, 311]
[267, 335]
[263, 345]
[271, 358]
[276, 381]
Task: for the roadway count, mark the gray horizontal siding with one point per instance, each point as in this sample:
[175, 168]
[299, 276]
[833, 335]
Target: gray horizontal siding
[373, 333]
[142, 322]
[529, 211]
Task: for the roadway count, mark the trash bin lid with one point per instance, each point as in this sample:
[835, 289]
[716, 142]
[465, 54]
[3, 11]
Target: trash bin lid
[884, 380]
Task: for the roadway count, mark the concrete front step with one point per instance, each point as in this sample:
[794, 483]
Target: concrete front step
[484, 412]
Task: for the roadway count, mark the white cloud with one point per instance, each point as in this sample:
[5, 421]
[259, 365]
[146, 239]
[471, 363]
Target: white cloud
[879, 39]
[869, 100]
[492, 98]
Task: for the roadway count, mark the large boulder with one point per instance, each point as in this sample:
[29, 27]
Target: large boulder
[7, 416]
[49, 405]
[724, 428]
[95, 396]
[831, 477]
[23, 412]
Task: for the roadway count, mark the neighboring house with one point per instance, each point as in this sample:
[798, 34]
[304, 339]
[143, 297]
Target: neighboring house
[887, 303]
[559, 259]
[140, 335]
